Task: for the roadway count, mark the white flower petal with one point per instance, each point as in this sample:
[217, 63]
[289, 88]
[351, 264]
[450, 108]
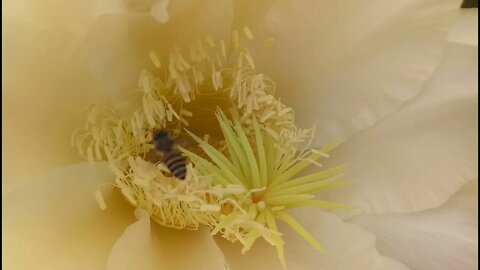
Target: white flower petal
[71, 15]
[46, 84]
[118, 46]
[419, 156]
[145, 246]
[465, 29]
[343, 65]
[442, 239]
[56, 223]
[347, 247]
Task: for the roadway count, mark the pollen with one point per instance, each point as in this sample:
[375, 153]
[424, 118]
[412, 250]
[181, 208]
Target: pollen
[244, 151]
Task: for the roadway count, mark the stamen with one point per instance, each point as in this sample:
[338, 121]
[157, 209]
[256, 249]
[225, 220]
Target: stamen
[268, 42]
[210, 41]
[155, 60]
[100, 200]
[247, 32]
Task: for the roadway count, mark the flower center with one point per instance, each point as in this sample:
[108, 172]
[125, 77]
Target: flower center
[242, 170]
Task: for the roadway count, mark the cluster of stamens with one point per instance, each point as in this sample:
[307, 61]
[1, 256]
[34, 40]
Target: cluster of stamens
[241, 174]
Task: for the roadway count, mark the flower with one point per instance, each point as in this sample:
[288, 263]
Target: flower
[403, 129]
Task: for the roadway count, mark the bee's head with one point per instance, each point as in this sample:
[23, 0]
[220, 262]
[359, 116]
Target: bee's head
[162, 141]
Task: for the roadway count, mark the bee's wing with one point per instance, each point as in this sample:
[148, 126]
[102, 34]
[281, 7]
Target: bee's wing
[154, 156]
[184, 140]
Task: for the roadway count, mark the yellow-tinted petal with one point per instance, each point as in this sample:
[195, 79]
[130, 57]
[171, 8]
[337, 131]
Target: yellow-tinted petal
[465, 29]
[419, 156]
[344, 65]
[148, 246]
[71, 15]
[56, 222]
[442, 238]
[46, 84]
[347, 246]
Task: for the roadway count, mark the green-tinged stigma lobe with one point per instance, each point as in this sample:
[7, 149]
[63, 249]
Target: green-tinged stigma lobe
[267, 172]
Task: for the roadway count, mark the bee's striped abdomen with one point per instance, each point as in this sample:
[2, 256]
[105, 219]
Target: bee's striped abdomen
[176, 164]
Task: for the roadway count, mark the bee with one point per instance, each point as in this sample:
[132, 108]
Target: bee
[172, 158]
